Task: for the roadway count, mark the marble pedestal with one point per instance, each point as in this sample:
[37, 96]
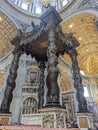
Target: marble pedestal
[85, 120]
[31, 119]
[53, 117]
[5, 118]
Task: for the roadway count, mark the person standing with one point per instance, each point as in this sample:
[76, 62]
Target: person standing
[96, 125]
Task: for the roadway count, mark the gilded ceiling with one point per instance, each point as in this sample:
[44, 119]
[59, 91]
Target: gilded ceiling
[2, 76]
[7, 32]
[66, 83]
[83, 28]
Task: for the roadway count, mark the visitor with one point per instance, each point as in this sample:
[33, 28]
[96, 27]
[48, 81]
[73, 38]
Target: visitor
[68, 124]
[75, 124]
[96, 125]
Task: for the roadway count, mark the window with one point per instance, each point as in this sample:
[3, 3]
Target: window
[64, 2]
[38, 10]
[24, 6]
[86, 94]
[82, 72]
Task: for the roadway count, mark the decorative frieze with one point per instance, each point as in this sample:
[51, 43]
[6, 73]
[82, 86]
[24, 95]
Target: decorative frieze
[53, 117]
[48, 120]
[60, 117]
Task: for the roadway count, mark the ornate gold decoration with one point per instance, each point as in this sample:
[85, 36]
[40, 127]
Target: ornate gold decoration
[89, 64]
[7, 32]
[48, 120]
[65, 83]
[82, 25]
[83, 122]
[1, 80]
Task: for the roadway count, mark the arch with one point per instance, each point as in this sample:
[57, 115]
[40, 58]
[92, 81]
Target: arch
[5, 13]
[86, 55]
[90, 11]
[84, 29]
[66, 83]
[29, 106]
[8, 32]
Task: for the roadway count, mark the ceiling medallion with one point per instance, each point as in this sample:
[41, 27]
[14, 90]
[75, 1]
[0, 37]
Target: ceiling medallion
[1, 18]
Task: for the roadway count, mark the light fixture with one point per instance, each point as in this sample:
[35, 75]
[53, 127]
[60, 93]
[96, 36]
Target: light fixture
[82, 72]
[38, 10]
[1, 18]
[65, 2]
[86, 94]
[79, 38]
[70, 25]
[24, 6]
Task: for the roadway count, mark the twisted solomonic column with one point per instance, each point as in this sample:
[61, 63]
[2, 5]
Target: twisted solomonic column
[82, 104]
[8, 94]
[51, 80]
[41, 85]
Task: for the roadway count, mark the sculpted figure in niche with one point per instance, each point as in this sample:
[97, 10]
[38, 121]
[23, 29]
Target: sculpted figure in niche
[29, 106]
[31, 76]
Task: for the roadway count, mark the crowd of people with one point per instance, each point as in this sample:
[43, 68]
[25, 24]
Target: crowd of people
[73, 124]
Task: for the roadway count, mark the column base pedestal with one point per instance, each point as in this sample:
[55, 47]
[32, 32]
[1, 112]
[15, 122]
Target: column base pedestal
[5, 118]
[53, 117]
[85, 120]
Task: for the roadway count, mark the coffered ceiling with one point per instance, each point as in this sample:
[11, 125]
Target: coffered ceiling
[7, 32]
[2, 76]
[83, 28]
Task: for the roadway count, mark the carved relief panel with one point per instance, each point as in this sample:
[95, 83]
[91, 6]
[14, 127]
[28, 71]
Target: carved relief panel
[60, 117]
[30, 106]
[55, 119]
[48, 120]
[69, 104]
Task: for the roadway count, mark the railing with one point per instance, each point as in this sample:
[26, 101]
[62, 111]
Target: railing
[29, 88]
